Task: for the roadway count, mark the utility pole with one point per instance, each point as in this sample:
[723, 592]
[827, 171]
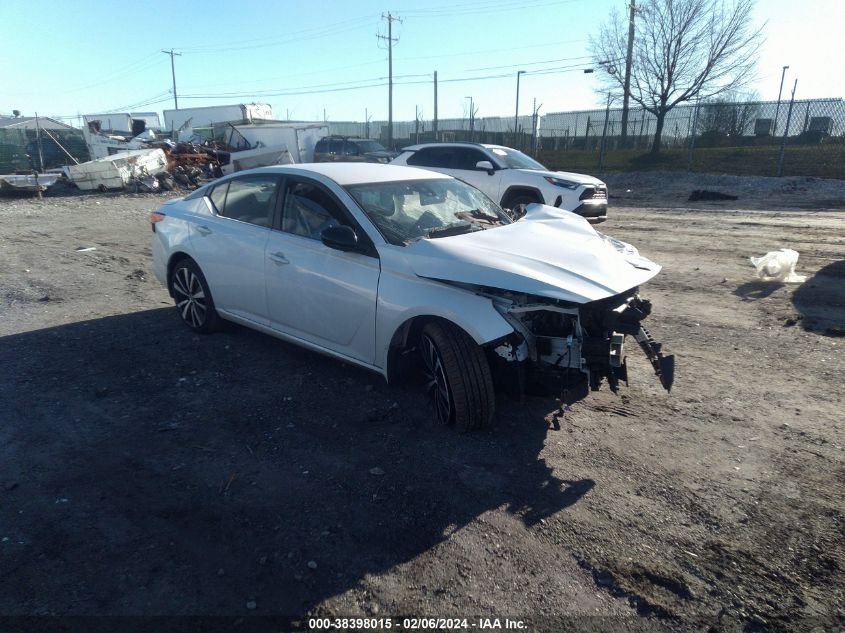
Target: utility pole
[173, 74]
[786, 130]
[516, 115]
[390, 20]
[416, 124]
[627, 85]
[435, 106]
[777, 109]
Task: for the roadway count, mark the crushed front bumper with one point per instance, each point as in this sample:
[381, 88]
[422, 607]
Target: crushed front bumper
[569, 351]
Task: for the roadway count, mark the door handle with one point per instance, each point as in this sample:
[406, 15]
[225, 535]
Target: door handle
[279, 258]
[203, 230]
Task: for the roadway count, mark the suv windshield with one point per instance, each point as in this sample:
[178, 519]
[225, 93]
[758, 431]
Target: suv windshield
[514, 159]
[369, 146]
[408, 210]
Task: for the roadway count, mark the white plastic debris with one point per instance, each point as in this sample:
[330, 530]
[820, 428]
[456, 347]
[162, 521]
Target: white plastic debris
[778, 266]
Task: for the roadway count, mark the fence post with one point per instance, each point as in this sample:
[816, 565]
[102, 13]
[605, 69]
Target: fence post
[692, 135]
[786, 129]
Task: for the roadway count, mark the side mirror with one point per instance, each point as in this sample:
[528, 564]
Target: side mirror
[341, 238]
[485, 165]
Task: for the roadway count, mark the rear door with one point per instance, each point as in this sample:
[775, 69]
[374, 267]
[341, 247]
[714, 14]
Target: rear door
[318, 294]
[229, 245]
[459, 162]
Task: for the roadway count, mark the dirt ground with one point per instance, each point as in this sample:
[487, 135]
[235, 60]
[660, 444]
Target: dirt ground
[147, 470]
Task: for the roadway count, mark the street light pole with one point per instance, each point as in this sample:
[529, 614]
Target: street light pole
[777, 108]
[471, 116]
[516, 115]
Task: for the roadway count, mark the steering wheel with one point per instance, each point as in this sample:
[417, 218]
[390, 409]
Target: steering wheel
[427, 221]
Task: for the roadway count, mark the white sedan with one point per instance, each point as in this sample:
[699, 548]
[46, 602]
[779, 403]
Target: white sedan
[383, 266]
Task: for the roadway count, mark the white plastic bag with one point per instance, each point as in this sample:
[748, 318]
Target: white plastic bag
[778, 266]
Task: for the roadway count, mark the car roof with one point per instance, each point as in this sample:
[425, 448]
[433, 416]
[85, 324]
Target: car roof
[355, 173]
[341, 137]
[414, 148]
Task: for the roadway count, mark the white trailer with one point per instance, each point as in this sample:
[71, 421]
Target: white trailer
[122, 121]
[298, 138]
[204, 116]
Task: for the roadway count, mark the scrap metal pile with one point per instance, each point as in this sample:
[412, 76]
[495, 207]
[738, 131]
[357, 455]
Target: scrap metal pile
[164, 166]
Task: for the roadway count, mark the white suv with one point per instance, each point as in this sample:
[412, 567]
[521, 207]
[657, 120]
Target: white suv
[510, 177]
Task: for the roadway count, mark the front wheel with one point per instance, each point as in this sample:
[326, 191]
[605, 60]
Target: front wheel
[458, 377]
[518, 203]
[193, 298]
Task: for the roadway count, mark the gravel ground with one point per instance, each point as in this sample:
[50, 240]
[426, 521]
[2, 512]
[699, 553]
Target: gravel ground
[147, 470]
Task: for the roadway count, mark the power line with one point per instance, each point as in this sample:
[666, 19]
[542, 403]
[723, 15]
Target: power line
[306, 34]
[376, 82]
[545, 61]
[485, 7]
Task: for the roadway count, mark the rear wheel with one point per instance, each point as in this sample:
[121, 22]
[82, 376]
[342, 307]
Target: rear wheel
[458, 377]
[193, 298]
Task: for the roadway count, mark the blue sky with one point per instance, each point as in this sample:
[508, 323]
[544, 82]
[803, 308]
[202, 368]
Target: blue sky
[66, 58]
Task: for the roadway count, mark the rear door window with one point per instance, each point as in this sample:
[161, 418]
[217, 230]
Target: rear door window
[248, 199]
[432, 157]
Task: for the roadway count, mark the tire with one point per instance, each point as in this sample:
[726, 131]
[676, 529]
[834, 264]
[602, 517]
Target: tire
[193, 298]
[458, 377]
[518, 202]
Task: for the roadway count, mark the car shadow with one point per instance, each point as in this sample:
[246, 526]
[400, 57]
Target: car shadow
[149, 470]
[821, 300]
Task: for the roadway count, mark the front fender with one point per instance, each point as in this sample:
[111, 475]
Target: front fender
[402, 297]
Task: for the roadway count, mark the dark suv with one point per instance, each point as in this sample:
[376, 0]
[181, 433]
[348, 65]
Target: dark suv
[331, 149]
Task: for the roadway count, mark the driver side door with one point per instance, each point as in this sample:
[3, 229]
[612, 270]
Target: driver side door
[315, 293]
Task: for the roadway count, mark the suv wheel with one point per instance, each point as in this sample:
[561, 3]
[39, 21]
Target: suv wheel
[517, 202]
[457, 377]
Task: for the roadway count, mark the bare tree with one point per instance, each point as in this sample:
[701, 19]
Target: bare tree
[729, 114]
[683, 49]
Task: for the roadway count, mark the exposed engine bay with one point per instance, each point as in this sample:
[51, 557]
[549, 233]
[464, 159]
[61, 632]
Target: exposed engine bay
[571, 349]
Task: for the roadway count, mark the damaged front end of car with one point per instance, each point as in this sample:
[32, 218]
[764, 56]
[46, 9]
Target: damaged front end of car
[567, 350]
[570, 294]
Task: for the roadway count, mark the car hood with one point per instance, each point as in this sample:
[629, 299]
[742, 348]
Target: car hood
[548, 253]
[382, 153]
[581, 179]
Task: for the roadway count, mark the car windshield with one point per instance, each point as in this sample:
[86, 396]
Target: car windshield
[514, 159]
[409, 210]
[370, 146]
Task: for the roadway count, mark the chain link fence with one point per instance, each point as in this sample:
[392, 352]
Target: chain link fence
[494, 130]
[19, 149]
[805, 138]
